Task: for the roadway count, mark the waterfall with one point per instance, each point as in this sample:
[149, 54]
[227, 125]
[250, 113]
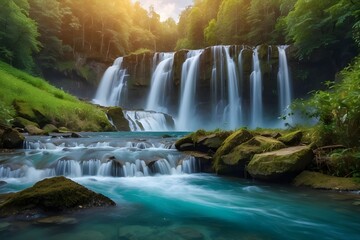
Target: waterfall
[149, 121]
[161, 83]
[233, 110]
[112, 88]
[256, 92]
[189, 77]
[284, 82]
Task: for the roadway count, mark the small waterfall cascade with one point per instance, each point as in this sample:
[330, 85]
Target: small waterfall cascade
[149, 121]
[232, 112]
[161, 82]
[225, 98]
[112, 88]
[284, 82]
[256, 92]
[241, 64]
[189, 77]
[129, 155]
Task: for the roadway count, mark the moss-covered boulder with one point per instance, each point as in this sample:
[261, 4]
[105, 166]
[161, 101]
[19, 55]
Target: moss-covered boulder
[24, 110]
[116, 115]
[10, 138]
[292, 139]
[51, 195]
[283, 164]
[22, 123]
[50, 128]
[33, 130]
[211, 142]
[234, 162]
[321, 181]
[185, 144]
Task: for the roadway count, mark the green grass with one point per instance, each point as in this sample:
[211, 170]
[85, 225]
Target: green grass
[61, 108]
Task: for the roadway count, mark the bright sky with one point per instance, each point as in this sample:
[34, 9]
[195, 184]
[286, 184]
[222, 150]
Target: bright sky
[166, 8]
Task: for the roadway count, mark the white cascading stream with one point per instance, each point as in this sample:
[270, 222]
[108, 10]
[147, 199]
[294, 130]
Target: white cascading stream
[112, 88]
[189, 76]
[284, 82]
[256, 92]
[161, 83]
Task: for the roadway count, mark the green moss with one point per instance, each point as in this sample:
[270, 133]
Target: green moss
[284, 163]
[235, 139]
[52, 195]
[118, 119]
[322, 181]
[22, 122]
[292, 139]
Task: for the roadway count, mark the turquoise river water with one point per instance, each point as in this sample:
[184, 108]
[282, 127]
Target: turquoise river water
[161, 194]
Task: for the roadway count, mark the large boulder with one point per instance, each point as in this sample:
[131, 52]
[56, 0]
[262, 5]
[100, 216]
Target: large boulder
[292, 139]
[10, 138]
[116, 115]
[234, 162]
[49, 196]
[321, 181]
[211, 142]
[283, 164]
[24, 110]
[33, 130]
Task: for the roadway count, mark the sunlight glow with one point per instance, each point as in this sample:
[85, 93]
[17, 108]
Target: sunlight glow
[166, 8]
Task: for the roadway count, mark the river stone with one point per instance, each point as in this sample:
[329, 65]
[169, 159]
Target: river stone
[117, 117]
[211, 143]
[51, 195]
[135, 232]
[10, 138]
[185, 144]
[187, 232]
[283, 164]
[33, 130]
[235, 161]
[4, 226]
[292, 139]
[235, 139]
[321, 181]
[50, 128]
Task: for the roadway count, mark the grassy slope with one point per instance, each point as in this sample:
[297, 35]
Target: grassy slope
[61, 108]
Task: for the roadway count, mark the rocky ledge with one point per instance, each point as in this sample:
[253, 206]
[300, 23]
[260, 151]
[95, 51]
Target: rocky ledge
[49, 196]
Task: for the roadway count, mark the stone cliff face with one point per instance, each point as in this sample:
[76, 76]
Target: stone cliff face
[306, 75]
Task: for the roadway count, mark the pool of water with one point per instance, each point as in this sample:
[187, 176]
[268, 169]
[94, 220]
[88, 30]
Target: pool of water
[175, 204]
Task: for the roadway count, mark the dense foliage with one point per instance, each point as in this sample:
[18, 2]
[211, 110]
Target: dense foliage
[51, 30]
[338, 108]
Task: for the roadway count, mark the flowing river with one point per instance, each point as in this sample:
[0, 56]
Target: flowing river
[161, 194]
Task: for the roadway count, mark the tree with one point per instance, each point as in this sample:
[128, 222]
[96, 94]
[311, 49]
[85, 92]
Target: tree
[47, 14]
[18, 34]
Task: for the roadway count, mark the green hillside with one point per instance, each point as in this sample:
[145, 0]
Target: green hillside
[25, 98]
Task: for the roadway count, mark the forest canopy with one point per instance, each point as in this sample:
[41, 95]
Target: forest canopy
[44, 31]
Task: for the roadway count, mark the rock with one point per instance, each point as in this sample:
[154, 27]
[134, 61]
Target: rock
[321, 181]
[50, 128]
[26, 111]
[57, 194]
[292, 139]
[116, 115]
[22, 122]
[232, 141]
[185, 144]
[235, 161]
[188, 233]
[10, 138]
[76, 135]
[135, 232]
[63, 130]
[282, 164]
[57, 220]
[2, 183]
[32, 130]
[211, 142]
